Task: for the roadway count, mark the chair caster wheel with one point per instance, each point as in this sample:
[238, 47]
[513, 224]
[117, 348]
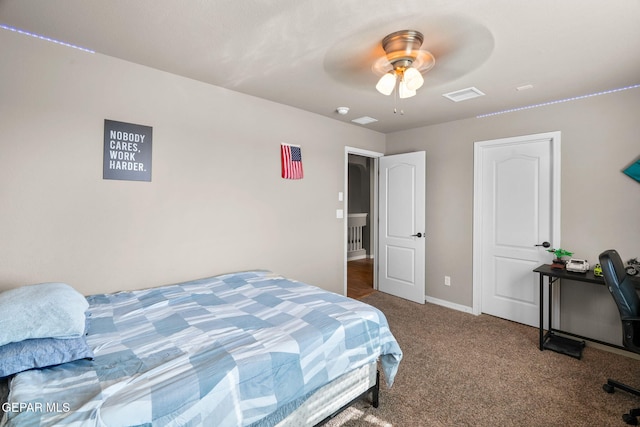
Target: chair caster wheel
[630, 419]
[608, 388]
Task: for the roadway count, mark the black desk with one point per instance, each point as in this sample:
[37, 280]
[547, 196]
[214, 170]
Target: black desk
[550, 340]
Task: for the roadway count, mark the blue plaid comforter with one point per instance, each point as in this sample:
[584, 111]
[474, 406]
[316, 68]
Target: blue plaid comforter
[223, 351]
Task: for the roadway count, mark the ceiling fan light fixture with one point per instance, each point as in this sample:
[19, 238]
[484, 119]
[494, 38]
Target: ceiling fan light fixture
[387, 83]
[404, 91]
[413, 79]
[403, 63]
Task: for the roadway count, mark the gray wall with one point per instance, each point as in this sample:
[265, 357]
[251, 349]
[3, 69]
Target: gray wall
[216, 202]
[600, 205]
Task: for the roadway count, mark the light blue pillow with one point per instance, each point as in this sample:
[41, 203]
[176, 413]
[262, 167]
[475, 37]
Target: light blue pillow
[40, 353]
[46, 310]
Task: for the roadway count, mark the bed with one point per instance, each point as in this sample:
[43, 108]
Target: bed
[242, 349]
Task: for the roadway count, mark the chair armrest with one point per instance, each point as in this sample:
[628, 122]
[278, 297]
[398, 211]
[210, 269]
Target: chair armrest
[630, 318]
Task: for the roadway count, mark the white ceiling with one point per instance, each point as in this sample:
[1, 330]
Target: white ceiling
[317, 55]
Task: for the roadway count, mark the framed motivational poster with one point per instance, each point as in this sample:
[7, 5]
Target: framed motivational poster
[127, 151]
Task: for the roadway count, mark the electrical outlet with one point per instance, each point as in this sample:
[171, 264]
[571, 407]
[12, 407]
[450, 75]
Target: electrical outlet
[447, 281]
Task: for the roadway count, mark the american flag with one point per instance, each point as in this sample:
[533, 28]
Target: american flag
[291, 161]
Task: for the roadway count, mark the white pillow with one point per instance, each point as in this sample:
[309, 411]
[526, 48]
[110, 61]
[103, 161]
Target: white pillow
[46, 310]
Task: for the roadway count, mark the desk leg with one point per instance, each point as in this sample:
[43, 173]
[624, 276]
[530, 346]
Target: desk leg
[541, 302]
[550, 307]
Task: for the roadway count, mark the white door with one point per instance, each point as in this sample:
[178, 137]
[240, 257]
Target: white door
[401, 225]
[516, 189]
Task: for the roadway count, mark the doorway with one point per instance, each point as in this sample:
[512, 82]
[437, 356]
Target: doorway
[360, 235]
[401, 235]
[360, 196]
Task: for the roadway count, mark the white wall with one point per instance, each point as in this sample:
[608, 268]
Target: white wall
[600, 205]
[216, 202]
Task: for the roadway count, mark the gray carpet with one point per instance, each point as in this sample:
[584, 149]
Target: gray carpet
[465, 370]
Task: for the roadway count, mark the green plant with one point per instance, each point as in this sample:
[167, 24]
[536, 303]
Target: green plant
[559, 253]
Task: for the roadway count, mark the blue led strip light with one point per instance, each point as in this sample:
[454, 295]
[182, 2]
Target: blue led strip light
[575, 98]
[38, 36]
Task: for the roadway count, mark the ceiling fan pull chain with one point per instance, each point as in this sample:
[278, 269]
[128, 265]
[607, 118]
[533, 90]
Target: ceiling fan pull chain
[395, 100]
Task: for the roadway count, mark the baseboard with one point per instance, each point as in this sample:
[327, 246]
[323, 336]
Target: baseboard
[612, 350]
[448, 304]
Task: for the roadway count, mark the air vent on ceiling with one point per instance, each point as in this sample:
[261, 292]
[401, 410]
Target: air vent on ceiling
[365, 120]
[463, 94]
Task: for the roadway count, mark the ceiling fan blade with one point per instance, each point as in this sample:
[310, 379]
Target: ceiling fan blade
[458, 44]
[381, 66]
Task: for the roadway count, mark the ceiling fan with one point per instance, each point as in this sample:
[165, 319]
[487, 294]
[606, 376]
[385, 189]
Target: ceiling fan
[403, 63]
[364, 56]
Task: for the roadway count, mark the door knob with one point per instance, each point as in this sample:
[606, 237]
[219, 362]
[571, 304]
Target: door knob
[417, 235]
[544, 245]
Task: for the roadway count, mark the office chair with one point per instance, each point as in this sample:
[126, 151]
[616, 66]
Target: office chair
[624, 294]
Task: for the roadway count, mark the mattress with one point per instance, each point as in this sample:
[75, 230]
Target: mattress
[243, 349]
[332, 397]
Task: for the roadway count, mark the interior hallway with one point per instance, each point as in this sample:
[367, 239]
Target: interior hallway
[360, 278]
